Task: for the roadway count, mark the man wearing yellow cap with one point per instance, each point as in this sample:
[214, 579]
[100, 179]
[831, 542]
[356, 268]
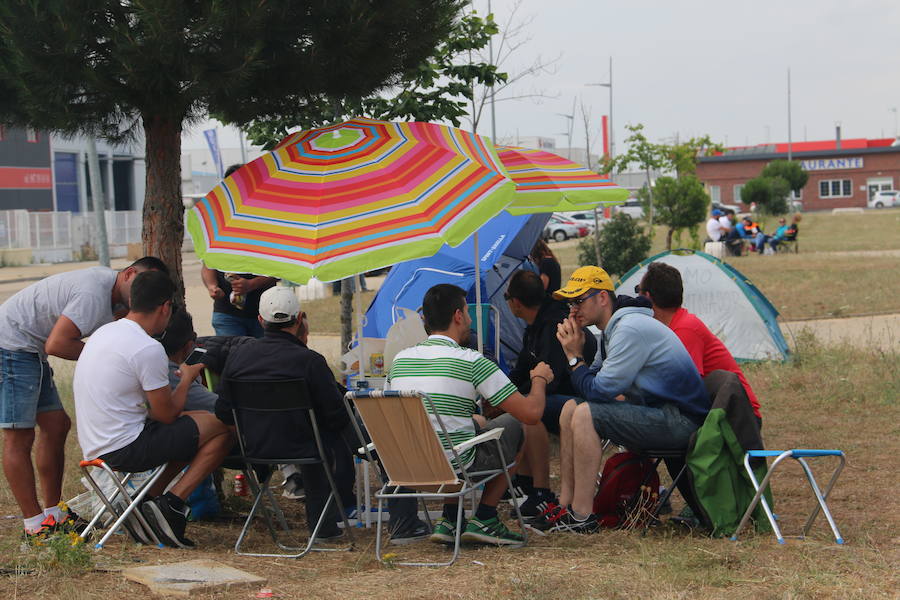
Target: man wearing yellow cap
[642, 392]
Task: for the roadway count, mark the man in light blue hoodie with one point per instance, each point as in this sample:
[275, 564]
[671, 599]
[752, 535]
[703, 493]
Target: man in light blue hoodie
[642, 392]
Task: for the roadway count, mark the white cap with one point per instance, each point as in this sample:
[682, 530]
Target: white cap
[279, 304]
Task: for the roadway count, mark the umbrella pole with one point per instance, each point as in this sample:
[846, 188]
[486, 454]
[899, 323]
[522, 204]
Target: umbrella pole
[359, 330]
[479, 333]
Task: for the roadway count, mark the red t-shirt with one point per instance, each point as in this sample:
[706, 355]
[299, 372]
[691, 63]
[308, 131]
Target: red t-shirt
[707, 351]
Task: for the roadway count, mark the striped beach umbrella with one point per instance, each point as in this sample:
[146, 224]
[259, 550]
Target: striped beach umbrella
[546, 182]
[348, 198]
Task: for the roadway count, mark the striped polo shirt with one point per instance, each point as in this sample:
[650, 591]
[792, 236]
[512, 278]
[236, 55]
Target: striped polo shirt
[455, 378]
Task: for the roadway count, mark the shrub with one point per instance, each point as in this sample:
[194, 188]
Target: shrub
[623, 244]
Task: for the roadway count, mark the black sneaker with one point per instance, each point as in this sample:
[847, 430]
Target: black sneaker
[568, 523]
[548, 517]
[409, 531]
[536, 505]
[167, 522]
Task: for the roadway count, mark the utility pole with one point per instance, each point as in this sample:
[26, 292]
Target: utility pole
[491, 62]
[98, 200]
[790, 149]
[896, 131]
[608, 84]
[568, 132]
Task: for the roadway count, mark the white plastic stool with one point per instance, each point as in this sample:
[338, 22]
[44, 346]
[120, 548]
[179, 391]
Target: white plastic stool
[800, 455]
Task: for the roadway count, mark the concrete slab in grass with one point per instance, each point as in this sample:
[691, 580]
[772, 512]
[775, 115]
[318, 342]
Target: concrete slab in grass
[193, 577]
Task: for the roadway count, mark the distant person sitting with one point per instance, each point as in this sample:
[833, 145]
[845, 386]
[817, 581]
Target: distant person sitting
[718, 226]
[441, 366]
[793, 229]
[129, 416]
[178, 342]
[527, 300]
[779, 235]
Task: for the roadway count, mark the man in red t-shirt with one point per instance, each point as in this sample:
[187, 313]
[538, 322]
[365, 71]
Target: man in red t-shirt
[662, 285]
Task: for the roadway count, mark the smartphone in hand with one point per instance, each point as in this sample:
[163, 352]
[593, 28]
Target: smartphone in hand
[197, 356]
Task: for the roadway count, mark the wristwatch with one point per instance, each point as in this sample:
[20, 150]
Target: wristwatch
[574, 361]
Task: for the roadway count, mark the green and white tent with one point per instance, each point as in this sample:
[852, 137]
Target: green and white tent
[725, 300]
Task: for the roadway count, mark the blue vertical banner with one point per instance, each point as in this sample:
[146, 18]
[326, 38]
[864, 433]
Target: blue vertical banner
[212, 140]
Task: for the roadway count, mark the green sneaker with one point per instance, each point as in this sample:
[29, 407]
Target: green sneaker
[490, 531]
[444, 531]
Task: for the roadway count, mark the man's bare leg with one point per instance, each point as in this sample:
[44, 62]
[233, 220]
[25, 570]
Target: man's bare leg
[588, 451]
[19, 470]
[566, 450]
[50, 453]
[214, 444]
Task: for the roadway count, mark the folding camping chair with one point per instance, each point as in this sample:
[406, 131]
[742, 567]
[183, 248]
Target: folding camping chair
[140, 531]
[800, 455]
[279, 402]
[410, 452]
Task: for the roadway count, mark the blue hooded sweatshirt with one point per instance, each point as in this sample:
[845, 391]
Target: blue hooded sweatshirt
[647, 363]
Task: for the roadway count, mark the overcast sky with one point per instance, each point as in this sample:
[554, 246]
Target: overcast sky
[692, 67]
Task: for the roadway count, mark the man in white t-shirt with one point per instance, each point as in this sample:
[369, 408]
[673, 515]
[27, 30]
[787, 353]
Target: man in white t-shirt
[718, 226]
[50, 317]
[129, 416]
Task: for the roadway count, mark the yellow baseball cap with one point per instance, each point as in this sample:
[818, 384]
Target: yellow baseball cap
[584, 279]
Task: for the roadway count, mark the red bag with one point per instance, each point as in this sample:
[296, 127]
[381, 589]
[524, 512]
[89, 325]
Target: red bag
[628, 491]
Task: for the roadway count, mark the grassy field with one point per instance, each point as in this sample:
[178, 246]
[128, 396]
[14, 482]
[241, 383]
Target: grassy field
[847, 265]
[826, 396]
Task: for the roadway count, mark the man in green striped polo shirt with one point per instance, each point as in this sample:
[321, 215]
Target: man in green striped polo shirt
[455, 378]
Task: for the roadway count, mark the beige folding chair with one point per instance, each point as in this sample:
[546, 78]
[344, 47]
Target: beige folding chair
[409, 449]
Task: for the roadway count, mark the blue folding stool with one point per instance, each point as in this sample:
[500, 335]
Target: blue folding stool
[800, 455]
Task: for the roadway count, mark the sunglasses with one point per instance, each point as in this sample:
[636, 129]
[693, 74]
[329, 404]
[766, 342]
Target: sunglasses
[579, 301]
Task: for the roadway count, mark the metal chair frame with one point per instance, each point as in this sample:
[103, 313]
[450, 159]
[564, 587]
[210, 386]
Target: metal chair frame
[120, 491]
[262, 490]
[467, 481]
[800, 455]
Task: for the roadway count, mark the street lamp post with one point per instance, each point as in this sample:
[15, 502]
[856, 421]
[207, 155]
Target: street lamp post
[568, 132]
[609, 84]
[896, 131]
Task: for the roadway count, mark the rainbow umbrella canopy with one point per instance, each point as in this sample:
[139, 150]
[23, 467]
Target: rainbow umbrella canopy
[546, 182]
[348, 198]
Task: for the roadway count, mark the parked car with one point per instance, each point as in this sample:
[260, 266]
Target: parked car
[584, 218]
[885, 199]
[728, 209]
[632, 207]
[561, 229]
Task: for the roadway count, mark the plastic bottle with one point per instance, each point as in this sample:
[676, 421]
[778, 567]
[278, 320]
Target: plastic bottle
[237, 300]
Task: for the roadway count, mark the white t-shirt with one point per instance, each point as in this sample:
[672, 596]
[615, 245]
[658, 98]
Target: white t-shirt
[119, 363]
[84, 296]
[714, 229]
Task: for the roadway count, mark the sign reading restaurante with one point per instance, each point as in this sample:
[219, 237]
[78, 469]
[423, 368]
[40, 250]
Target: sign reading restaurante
[827, 164]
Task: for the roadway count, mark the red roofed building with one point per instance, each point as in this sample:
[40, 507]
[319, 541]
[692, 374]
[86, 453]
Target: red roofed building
[842, 174]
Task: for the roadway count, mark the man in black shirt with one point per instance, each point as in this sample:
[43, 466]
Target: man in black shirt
[281, 355]
[527, 300]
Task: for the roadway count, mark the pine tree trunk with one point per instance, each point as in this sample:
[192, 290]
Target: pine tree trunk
[347, 289]
[163, 231]
[669, 238]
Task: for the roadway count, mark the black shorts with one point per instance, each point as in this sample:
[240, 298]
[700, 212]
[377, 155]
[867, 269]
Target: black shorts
[156, 445]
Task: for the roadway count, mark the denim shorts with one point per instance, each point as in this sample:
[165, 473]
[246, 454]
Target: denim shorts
[26, 389]
[639, 427]
[226, 324]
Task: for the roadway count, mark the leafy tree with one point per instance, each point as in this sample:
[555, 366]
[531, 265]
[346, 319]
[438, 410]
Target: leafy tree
[769, 193]
[685, 155]
[115, 67]
[439, 88]
[623, 244]
[789, 170]
[680, 204]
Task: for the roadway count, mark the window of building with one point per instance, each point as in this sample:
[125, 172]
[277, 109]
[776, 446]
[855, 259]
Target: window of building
[797, 194]
[715, 193]
[31, 135]
[737, 192]
[835, 188]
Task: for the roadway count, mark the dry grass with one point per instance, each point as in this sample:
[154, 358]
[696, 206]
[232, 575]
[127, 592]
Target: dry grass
[826, 397]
